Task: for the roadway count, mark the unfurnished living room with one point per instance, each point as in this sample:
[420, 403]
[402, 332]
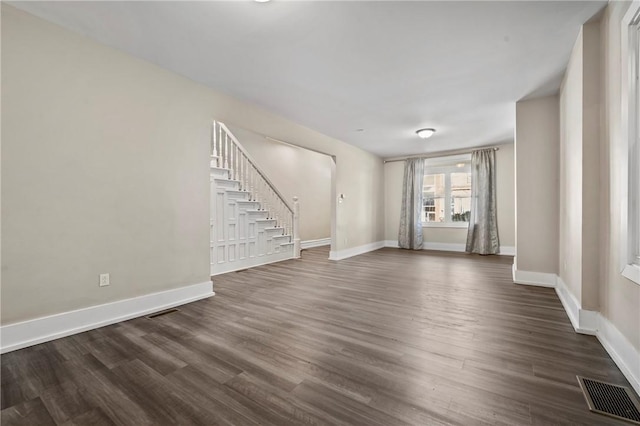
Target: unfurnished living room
[320, 212]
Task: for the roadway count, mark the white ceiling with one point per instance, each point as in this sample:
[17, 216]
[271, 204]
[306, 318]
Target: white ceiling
[389, 68]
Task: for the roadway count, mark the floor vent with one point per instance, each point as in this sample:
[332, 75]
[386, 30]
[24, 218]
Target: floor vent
[611, 400]
[159, 314]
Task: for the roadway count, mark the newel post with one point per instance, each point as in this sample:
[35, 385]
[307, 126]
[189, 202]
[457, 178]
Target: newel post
[296, 228]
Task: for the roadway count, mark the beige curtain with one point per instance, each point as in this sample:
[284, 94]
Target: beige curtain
[410, 233]
[482, 237]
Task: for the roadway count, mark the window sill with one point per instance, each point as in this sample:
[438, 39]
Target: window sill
[445, 225]
[632, 272]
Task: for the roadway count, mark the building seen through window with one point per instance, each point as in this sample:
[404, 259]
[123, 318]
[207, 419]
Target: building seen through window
[447, 190]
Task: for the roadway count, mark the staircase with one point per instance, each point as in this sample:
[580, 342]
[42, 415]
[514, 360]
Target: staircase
[251, 222]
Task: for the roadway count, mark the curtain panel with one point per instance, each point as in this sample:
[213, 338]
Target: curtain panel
[410, 233]
[482, 237]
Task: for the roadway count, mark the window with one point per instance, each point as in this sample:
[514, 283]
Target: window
[630, 158]
[447, 191]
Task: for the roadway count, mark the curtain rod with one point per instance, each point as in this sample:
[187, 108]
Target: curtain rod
[442, 153]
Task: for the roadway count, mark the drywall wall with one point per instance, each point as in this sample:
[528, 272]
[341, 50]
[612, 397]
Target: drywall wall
[296, 172]
[591, 139]
[570, 237]
[105, 169]
[619, 298]
[505, 195]
[580, 106]
[536, 184]
[505, 203]
[393, 177]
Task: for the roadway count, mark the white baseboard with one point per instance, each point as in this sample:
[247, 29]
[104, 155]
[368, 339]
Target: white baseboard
[32, 332]
[582, 320]
[623, 353]
[427, 245]
[508, 250]
[354, 251]
[540, 279]
[250, 262]
[460, 248]
[315, 243]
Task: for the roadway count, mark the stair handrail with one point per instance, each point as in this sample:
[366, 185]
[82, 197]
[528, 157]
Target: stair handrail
[255, 166]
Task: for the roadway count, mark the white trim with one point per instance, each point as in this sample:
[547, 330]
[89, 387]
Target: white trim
[315, 243]
[629, 222]
[623, 353]
[540, 279]
[251, 262]
[508, 250]
[632, 272]
[569, 303]
[455, 247]
[39, 330]
[582, 320]
[458, 225]
[354, 251]
[427, 245]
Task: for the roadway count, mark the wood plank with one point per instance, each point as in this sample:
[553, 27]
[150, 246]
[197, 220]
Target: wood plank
[392, 337]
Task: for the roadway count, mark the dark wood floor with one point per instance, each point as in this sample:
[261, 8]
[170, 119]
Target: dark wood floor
[388, 338]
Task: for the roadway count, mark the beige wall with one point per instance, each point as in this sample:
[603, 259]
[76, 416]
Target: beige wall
[580, 106]
[619, 297]
[591, 137]
[393, 176]
[105, 169]
[505, 202]
[536, 160]
[296, 172]
[570, 250]
[505, 189]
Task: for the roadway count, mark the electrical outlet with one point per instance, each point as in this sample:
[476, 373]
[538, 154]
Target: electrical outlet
[104, 280]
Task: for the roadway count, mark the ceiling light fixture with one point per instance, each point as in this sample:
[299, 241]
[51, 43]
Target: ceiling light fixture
[425, 133]
[261, 1]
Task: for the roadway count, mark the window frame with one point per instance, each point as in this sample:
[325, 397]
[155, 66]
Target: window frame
[447, 169]
[630, 153]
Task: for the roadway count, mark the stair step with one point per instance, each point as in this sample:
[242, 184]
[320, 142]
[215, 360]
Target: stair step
[265, 220]
[287, 244]
[283, 237]
[247, 204]
[275, 228]
[220, 170]
[236, 193]
[227, 183]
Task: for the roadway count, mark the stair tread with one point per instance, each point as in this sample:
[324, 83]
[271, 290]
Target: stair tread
[227, 180]
[265, 220]
[283, 236]
[248, 201]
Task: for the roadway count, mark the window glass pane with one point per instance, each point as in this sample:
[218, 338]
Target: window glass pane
[460, 197]
[433, 205]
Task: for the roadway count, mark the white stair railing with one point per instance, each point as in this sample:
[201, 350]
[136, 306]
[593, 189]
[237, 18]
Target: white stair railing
[228, 153]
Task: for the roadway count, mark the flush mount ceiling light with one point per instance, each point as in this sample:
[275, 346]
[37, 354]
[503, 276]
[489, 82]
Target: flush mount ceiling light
[425, 133]
[261, 1]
